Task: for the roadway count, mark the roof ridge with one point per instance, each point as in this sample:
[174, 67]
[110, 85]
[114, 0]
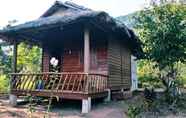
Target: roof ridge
[74, 5]
[67, 4]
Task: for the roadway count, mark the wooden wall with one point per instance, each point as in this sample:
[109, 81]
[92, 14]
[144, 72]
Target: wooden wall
[126, 67]
[72, 58]
[114, 63]
[118, 65]
[112, 59]
[98, 58]
[45, 60]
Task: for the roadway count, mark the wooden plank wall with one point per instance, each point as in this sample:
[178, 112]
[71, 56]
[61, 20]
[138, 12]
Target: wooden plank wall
[102, 59]
[98, 58]
[118, 65]
[72, 57]
[45, 60]
[114, 63]
[72, 60]
[126, 67]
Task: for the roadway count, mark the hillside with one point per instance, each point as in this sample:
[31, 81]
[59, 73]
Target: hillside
[128, 20]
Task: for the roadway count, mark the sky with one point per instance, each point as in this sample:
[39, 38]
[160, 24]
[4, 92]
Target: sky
[26, 10]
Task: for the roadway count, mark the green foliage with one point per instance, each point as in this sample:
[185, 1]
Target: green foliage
[133, 111]
[149, 99]
[162, 29]
[31, 105]
[183, 73]
[173, 93]
[29, 58]
[4, 84]
[148, 75]
[5, 62]
[5, 68]
[163, 32]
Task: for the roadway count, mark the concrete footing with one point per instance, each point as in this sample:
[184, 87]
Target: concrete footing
[12, 100]
[108, 98]
[86, 105]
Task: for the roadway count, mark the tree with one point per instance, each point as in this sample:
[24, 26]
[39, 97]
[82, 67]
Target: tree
[162, 29]
[29, 58]
[5, 62]
[148, 75]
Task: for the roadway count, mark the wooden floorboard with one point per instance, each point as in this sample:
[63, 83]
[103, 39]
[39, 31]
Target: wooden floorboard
[62, 94]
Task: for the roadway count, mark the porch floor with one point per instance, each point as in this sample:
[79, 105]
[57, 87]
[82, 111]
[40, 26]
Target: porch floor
[62, 94]
[64, 85]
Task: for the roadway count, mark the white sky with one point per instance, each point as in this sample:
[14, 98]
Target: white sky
[26, 10]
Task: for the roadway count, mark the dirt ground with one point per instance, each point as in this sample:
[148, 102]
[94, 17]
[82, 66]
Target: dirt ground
[63, 109]
[72, 109]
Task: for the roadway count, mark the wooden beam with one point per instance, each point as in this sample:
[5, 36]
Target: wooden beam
[14, 60]
[63, 94]
[7, 39]
[86, 50]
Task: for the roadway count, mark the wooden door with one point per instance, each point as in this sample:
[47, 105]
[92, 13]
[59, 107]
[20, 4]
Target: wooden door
[72, 60]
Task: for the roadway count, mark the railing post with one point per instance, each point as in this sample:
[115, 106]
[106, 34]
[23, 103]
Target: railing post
[87, 83]
[11, 82]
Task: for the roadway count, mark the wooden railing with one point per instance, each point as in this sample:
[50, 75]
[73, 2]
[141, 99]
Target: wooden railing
[59, 82]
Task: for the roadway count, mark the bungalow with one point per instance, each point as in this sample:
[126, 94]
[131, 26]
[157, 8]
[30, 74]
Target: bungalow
[86, 54]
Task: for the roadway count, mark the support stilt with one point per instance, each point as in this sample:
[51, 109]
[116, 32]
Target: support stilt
[12, 100]
[86, 105]
[108, 98]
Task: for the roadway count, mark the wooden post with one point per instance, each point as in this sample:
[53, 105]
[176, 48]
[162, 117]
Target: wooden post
[86, 50]
[13, 98]
[14, 60]
[86, 103]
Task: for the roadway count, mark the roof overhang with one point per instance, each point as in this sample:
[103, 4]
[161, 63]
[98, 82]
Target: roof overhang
[99, 19]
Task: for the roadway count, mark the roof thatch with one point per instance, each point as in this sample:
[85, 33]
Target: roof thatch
[77, 14]
[73, 8]
[56, 20]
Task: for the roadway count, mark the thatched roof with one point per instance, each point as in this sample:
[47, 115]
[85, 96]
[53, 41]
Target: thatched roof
[72, 7]
[76, 14]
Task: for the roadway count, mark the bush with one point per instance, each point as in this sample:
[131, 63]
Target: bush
[148, 75]
[133, 111]
[4, 84]
[149, 81]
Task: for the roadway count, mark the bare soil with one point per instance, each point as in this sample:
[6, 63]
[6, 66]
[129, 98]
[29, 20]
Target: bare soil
[62, 109]
[72, 109]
